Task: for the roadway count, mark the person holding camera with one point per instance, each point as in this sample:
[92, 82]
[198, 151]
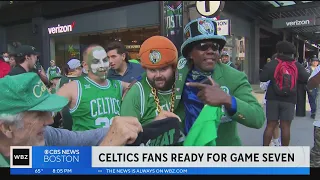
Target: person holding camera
[27, 61]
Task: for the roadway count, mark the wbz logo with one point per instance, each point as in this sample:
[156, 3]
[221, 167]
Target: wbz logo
[20, 157]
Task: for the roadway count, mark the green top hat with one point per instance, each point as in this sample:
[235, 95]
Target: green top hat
[198, 30]
[26, 92]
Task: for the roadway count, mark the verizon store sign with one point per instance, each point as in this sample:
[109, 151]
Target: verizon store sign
[224, 27]
[294, 22]
[61, 28]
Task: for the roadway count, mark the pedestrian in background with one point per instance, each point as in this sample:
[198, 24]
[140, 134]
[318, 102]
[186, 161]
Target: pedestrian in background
[282, 96]
[313, 93]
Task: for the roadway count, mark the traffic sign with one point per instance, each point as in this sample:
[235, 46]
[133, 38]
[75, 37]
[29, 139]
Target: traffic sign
[209, 8]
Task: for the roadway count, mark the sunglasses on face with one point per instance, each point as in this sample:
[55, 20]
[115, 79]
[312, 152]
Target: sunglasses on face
[206, 46]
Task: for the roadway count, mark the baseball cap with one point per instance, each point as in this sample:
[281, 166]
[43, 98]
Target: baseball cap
[224, 53]
[54, 75]
[74, 63]
[164, 132]
[25, 50]
[26, 92]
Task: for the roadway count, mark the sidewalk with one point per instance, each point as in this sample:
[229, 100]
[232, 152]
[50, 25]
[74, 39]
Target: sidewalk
[301, 128]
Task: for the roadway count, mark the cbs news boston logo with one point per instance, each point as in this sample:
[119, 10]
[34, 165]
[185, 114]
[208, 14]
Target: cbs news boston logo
[20, 157]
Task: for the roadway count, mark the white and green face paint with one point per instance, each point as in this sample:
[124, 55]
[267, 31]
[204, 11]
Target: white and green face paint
[98, 62]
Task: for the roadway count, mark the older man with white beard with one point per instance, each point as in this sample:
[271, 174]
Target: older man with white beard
[26, 109]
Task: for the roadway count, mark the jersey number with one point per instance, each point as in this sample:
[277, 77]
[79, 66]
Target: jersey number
[104, 120]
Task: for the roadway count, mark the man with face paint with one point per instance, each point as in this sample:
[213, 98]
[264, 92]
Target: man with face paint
[94, 100]
[152, 98]
[204, 80]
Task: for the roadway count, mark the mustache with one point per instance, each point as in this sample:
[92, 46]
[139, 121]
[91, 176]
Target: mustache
[159, 79]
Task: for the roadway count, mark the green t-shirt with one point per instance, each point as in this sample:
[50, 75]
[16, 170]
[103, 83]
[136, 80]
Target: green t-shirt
[4, 162]
[96, 105]
[139, 102]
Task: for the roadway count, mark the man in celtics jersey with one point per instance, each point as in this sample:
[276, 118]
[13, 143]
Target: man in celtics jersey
[153, 96]
[94, 100]
[53, 69]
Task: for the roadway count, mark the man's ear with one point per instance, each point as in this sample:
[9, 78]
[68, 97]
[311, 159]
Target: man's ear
[123, 56]
[6, 130]
[85, 65]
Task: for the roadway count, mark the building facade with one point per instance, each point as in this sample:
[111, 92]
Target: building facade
[64, 38]
[248, 36]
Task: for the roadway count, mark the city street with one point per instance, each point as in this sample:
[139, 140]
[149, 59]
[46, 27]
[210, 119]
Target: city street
[301, 128]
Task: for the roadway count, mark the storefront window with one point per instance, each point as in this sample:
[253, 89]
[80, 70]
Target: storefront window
[63, 48]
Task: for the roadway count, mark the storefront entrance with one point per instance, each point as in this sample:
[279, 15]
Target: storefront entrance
[64, 48]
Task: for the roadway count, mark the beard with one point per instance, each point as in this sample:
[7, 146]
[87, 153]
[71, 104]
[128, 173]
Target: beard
[161, 83]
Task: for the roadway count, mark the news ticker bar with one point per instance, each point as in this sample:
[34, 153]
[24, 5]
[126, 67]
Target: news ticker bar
[153, 157]
[163, 171]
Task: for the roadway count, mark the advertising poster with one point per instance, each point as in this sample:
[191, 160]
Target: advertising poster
[241, 48]
[173, 22]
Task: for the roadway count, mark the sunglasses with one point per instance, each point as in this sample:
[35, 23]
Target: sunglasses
[206, 46]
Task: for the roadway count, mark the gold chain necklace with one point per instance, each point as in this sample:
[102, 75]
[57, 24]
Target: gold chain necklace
[154, 92]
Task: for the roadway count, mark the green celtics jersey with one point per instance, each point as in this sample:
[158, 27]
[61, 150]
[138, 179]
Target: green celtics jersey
[173, 16]
[53, 70]
[96, 105]
[139, 102]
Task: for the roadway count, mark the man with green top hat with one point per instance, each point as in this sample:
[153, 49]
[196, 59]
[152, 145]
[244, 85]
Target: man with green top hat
[26, 109]
[225, 86]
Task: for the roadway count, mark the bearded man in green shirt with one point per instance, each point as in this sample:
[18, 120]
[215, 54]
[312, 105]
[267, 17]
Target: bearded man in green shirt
[154, 95]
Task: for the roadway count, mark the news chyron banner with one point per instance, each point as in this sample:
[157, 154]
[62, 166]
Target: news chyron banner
[160, 160]
[173, 22]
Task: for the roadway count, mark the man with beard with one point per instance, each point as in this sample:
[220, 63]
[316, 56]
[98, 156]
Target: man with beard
[154, 95]
[225, 86]
[93, 100]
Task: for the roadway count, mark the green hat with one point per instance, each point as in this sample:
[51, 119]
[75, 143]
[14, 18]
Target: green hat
[54, 75]
[198, 30]
[26, 92]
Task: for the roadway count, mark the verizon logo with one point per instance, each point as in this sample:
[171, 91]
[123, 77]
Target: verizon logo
[61, 29]
[297, 23]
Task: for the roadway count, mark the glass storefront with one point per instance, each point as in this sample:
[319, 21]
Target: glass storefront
[63, 48]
